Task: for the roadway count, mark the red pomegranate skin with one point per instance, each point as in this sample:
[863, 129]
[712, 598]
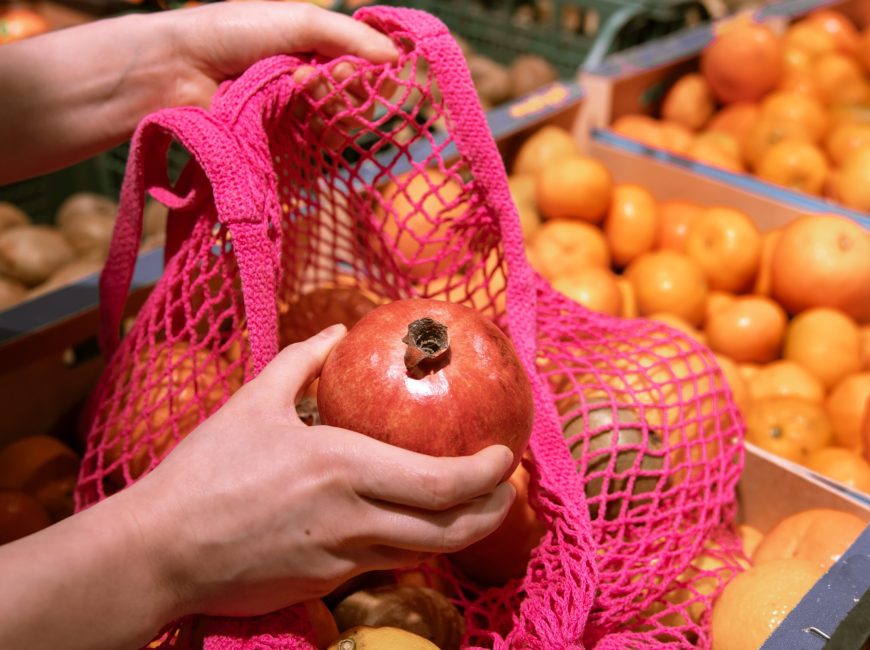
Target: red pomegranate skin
[476, 395]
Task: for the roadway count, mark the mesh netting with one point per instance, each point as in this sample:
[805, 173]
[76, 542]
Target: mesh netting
[319, 189]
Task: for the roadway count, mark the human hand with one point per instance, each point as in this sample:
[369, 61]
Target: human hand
[255, 511]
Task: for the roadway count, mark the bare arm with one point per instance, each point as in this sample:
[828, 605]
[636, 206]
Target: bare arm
[72, 93]
[251, 512]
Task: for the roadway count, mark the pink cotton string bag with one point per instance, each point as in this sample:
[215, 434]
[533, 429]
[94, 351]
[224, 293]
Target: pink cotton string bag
[307, 173]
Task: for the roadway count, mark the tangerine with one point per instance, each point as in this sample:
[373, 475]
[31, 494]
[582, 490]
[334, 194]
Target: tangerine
[799, 108]
[717, 300]
[835, 76]
[631, 224]
[736, 382]
[548, 144]
[838, 27]
[675, 219]
[689, 102]
[789, 427]
[576, 187]
[850, 185]
[736, 120]
[749, 329]
[846, 405]
[640, 128]
[823, 261]
[769, 241]
[795, 164]
[845, 139]
[743, 62]
[842, 465]
[784, 378]
[593, 287]
[824, 341]
[20, 515]
[726, 244]
[562, 245]
[667, 281]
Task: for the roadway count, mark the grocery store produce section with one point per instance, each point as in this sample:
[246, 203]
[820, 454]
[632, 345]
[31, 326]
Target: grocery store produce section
[700, 168]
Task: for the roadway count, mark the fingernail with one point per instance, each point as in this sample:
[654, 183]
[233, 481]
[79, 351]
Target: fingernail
[333, 331]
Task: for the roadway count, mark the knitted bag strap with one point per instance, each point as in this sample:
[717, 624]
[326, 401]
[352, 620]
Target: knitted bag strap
[231, 182]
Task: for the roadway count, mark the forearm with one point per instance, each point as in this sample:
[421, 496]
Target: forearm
[72, 93]
[87, 582]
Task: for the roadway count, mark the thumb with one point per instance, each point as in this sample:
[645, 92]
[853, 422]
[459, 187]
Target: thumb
[298, 364]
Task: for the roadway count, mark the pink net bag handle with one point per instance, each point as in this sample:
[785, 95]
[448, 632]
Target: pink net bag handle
[239, 206]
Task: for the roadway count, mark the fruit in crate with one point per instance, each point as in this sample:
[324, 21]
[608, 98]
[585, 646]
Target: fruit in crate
[21, 514]
[43, 467]
[430, 376]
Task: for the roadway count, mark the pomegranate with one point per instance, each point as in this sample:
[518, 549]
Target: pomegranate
[434, 377]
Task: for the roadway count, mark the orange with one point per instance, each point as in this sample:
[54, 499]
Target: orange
[631, 224]
[576, 187]
[20, 515]
[812, 39]
[667, 281]
[736, 120]
[717, 300]
[765, 133]
[794, 164]
[676, 138]
[865, 432]
[641, 128]
[629, 301]
[560, 246]
[850, 185]
[769, 240]
[675, 218]
[782, 378]
[757, 601]
[522, 188]
[798, 108]
[835, 74]
[44, 467]
[863, 53]
[726, 244]
[546, 145]
[864, 332]
[797, 60]
[838, 27]
[748, 371]
[717, 149]
[736, 382]
[842, 465]
[743, 62]
[817, 535]
[846, 405]
[822, 261]
[800, 81]
[679, 324]
[749, 329]
[593, 287]
[417, 211]
[846, 138]
[750, 537]
[789, 427]
[689, 102]
[824, 341]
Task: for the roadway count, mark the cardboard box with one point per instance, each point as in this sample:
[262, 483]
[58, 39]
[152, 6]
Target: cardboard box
[635, 82]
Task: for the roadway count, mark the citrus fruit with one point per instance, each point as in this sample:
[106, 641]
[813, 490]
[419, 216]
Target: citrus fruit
[562, 245]
[678, 324]
[850, 184]
[789, 427]
[799, 108]
[20, 515]
[593, 287]
[629, 301]
[785, 378]
[631, 224]
[765, 133]
[846, 405]
[769, 241]
[824, 341]
[822, 261]
[676, 138]
[667, 281]
[818, 535]
[835, 75]
[717, 300]
[736, 120]
[845, 139]
[864, 332]
[576, 187]
[842, 465]
[838, 27]
[736, 382]
[810, 38]
[675, 219]
[750, 537]
[641, 128]
[755, 602]
[726, 244]
[717, 149]
[45, 468]
[548, 144]
[689, 102]
[795, 164]
[743, 62]
[749, 329]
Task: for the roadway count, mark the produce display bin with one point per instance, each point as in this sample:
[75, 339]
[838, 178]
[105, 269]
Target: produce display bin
[635, 82]
[568, 33]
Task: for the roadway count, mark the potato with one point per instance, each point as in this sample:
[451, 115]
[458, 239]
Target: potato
[11, 216]
[11, 292]
[420, 610]
[31, 254]
[491, 79]
[85, 202]
[89, 231]
[529, 72]
[67, 275]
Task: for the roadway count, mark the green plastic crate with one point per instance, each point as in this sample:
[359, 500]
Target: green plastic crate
[41, 196]
[568, 33]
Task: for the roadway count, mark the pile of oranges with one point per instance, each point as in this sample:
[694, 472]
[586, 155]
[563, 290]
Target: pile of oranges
[792, 108]
[787, 311]
[785, 563]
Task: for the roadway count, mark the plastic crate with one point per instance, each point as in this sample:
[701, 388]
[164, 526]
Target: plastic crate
[41, 196]
[568, 33]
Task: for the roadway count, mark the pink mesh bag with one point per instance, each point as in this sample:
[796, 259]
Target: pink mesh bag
[296, 185]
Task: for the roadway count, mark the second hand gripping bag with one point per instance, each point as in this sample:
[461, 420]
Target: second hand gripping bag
[310, 175]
